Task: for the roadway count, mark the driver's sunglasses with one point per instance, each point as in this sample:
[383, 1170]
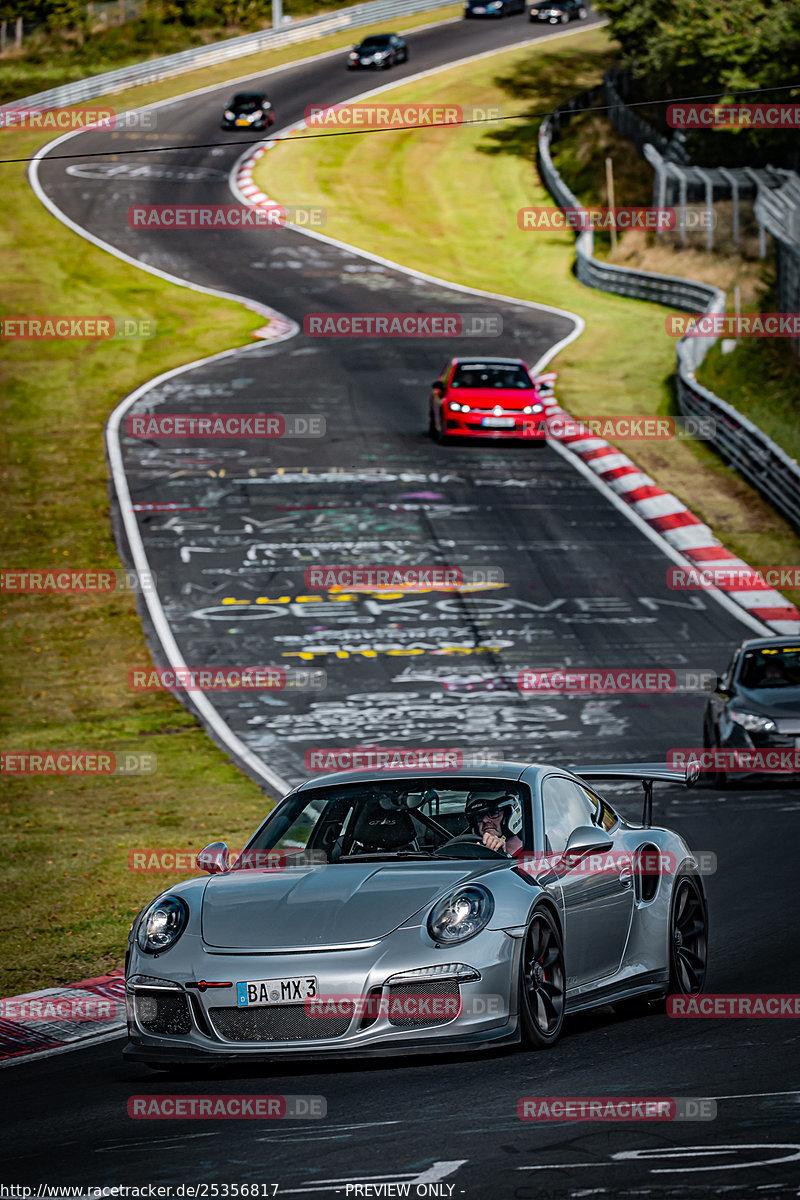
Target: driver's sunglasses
[498, 812]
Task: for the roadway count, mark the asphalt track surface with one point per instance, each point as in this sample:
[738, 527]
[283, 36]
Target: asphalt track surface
[583, 587]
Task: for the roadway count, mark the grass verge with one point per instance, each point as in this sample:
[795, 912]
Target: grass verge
[68, 895]
[445, 201]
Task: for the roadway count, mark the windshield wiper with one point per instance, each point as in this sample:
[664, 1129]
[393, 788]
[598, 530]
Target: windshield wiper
[388, 854]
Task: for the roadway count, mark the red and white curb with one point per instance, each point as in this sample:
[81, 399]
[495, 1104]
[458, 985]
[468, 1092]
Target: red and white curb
[250, 191]
[56, 1017]
[676, 524]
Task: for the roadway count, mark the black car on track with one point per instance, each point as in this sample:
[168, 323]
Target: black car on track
[559, 12]
[249, 110]
[756, 707]
[378, 52]
[493, 8]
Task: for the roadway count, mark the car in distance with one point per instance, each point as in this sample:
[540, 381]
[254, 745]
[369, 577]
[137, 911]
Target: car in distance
[249, 110]
[493, 8]
[377, 52]
[756, 703]
[558, 12]
[486, 397]
[370, 915]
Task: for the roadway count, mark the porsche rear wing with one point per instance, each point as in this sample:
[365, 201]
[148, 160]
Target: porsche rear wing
[647, 774]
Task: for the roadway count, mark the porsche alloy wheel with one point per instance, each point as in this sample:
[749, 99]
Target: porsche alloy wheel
[542, 982]
[688, 937]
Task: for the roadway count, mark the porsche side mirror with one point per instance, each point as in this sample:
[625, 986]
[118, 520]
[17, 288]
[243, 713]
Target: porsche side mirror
[437, 386]
[721, 689]
[213, 859]
[585, 840]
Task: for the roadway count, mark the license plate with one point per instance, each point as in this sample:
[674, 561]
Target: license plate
[256, 993]
[240, 122]
[479, 10]
[498, 422]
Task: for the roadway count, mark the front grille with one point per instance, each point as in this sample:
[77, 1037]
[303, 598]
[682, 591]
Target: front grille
[477, 425]
[440, 989]
[278, 1023]
[164, 1014]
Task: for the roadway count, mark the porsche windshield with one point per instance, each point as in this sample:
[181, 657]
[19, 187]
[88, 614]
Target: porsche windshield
[409, 818]
[491, 375]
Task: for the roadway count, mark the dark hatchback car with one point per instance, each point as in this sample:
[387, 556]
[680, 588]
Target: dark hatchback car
[378, 52]
[249, 110]
[756, 704]
[559, 12]
[493, 8]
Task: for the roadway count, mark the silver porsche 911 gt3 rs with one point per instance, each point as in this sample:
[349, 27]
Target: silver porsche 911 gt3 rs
[394, 912]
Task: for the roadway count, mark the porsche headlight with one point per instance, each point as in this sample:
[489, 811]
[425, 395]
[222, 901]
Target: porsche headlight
[162, 924]
[229, 115]
[751, 721]
[461, 915]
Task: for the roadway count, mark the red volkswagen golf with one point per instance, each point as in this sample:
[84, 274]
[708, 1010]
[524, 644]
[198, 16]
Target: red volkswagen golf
[486, 398]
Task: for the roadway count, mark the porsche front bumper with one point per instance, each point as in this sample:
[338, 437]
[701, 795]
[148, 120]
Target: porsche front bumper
[216, 1029]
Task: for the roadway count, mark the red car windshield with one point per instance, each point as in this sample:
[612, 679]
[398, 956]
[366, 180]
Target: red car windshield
[490, 375]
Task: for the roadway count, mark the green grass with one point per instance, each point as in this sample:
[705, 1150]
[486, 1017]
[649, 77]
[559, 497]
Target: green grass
[761, 378]
[445, 201]
[67, 896]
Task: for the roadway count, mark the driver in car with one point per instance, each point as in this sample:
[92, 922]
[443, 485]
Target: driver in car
[488, 814]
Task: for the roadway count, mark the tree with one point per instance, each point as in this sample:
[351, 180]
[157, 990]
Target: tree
[722, 49]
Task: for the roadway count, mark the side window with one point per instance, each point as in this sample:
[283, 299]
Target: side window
[566, 807]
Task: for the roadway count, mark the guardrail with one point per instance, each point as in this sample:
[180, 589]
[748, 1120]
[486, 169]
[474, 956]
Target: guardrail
[155, 69]
[615, 85]
[737, 440]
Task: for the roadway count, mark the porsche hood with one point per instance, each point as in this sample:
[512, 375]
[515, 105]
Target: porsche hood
[321, 905]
